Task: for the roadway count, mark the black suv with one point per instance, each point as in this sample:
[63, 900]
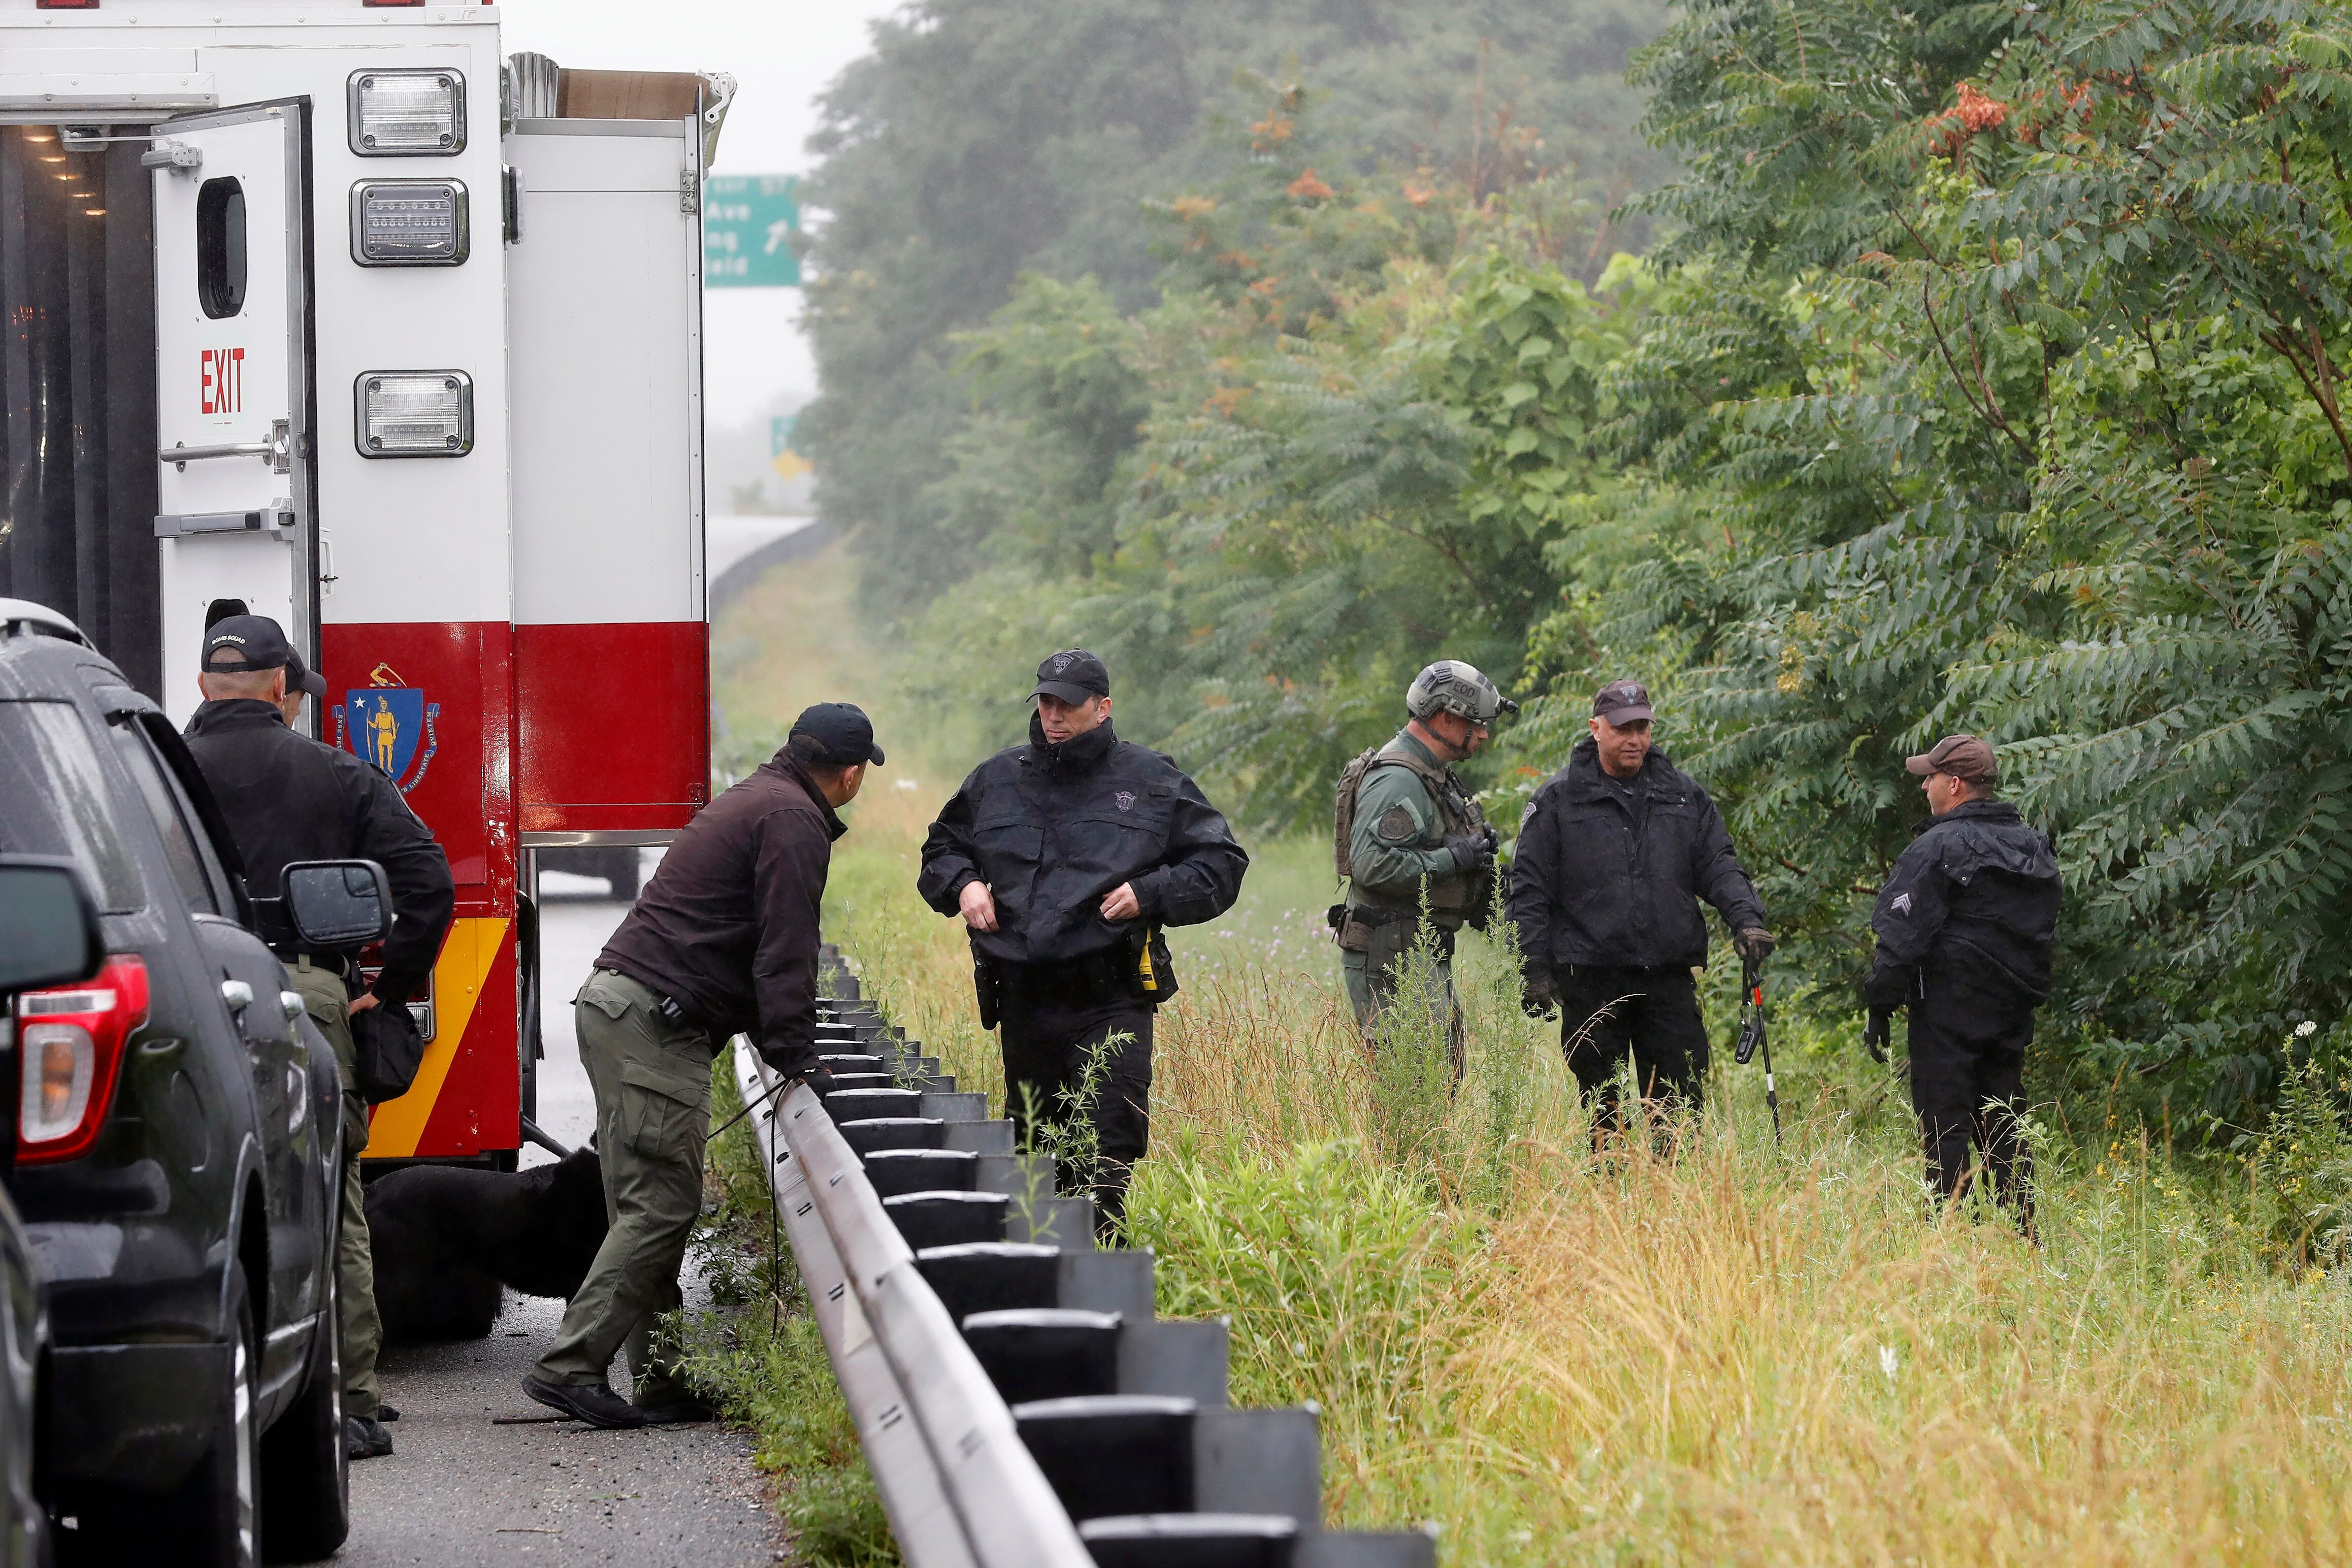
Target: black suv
[174, 1149]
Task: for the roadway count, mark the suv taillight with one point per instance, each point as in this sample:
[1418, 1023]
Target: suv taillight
[69, 1047]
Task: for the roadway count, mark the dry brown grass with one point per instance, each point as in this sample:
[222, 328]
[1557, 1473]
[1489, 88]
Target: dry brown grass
[1728, 1356]
[1737, 1355]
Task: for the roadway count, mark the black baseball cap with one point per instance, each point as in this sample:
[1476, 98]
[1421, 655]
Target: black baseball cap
[236, 643]
[1073, 677]
[844, 734]
[1623, 702]
[301, 676]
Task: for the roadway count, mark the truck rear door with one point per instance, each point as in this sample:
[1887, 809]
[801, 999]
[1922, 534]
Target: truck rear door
[612, 658]
[234, 388]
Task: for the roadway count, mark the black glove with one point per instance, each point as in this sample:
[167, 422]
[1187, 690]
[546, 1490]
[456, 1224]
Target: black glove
[801, 1062]
[1538, 996]
[1471, 852]
[1754, 944]
[1874, 1032]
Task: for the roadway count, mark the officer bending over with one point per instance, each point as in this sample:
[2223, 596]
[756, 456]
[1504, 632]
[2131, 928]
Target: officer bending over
[1066, 858]
[1965, 926]
[287, 797]
[1409, 836]
[723, 940]
[1614, 854]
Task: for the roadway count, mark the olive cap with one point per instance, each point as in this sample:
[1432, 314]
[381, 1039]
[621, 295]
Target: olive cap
[1962, 756]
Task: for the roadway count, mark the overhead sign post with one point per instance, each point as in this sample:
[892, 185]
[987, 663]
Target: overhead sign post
[749, 221]
[789, 465]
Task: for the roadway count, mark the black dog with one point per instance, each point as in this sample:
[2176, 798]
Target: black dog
[445, 1238]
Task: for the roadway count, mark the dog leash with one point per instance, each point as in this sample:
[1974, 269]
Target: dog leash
[752, 1105]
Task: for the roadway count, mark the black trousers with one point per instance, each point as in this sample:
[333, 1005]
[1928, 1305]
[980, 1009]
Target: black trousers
[1608, 1014]
[1052, 1019]
[1968, 1084]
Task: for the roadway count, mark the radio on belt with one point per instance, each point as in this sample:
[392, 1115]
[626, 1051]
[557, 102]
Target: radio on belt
[415, 414]
[409, 223]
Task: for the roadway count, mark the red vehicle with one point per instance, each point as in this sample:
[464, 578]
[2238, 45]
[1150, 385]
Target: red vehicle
[332, 314]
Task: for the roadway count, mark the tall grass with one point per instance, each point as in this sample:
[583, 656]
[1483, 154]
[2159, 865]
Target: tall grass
[1734, 1352]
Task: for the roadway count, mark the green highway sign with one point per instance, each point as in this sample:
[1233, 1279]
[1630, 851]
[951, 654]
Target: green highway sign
[748, 224]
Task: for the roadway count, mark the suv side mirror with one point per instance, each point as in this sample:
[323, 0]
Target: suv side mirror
[338, 903]
[49, 925]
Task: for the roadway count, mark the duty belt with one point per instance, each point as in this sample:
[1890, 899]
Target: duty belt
[1105, 970]
[674, 1013]
[335, 964]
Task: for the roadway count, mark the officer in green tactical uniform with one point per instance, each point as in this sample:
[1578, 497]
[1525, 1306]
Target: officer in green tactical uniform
[1410, 839]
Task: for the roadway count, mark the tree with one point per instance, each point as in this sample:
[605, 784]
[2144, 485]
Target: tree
[979, 141]
[2010, 347]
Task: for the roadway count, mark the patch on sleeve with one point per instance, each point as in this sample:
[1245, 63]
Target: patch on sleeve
[1396, 826]
[1526, 816]
[1902, 905]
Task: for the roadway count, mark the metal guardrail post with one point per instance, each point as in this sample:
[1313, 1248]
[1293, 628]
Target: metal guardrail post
[958, 1485]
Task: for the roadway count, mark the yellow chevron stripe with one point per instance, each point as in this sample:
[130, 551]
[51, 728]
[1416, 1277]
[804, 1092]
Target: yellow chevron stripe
[465, 963]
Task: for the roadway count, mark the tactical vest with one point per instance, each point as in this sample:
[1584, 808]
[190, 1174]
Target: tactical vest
[1451, 896]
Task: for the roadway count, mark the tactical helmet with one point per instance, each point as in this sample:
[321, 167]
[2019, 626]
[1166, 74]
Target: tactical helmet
[1450, 686]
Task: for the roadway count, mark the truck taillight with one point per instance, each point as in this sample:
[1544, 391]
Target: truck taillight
[407, 113]
[415, 414]
[70, 1050]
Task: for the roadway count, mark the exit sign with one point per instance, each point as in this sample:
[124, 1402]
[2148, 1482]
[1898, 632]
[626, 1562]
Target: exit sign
[749, 221]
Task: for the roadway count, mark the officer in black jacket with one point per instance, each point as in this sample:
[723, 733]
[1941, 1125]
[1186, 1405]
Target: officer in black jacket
[1965, 927]
[287, 797]
[1614, 854]
[723, 940]
[1066, 858]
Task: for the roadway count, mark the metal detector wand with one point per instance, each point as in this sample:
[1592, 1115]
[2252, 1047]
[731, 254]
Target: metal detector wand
[1753, 1038]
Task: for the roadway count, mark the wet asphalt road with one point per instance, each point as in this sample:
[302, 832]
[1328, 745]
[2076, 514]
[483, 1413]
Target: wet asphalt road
[461, 1490]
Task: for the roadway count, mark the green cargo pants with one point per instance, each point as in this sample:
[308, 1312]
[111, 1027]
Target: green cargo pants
[652, 1080]
[326, 1001]
[1370, 978]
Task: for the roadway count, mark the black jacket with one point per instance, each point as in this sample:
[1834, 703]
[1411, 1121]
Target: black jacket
[1590, 886]
[728, 927]
[1974, 902]
[1051, 829]
[287, 797]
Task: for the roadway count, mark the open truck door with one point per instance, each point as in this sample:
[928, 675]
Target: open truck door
[235, 518]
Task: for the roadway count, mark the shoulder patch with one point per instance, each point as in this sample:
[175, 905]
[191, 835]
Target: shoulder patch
[1902, 905]
[1396, 826]
[1527, 815]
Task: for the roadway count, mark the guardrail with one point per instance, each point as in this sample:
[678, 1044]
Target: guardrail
[1018, 1402]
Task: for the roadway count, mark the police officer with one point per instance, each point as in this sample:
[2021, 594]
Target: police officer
[1066, 858]
[1411, 836]
[287, 797]
[1965, 926]
[723, 940]
[1614, 854]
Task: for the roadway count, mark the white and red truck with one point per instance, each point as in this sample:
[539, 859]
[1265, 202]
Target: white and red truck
[328, 310]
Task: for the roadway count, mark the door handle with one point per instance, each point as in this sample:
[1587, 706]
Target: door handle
[184, 454]
[176, 156]
[279, 449]
[237, 994]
